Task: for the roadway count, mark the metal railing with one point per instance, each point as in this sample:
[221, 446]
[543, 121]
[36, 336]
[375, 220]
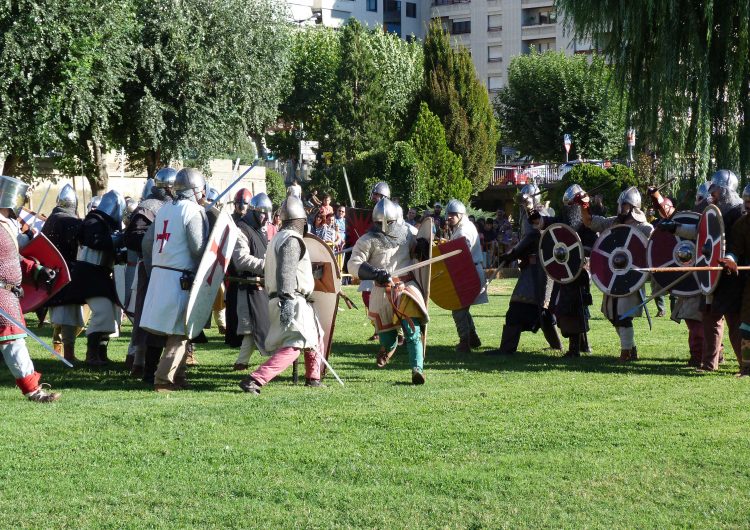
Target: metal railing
[519, 175]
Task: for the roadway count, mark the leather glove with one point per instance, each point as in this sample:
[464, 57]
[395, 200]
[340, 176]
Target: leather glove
[422, 250]
[729, 265]
[582, 199]
[667, 225]
[287, 313]
[368, 272]
[382, 276]
[651, 190]
[46, 276]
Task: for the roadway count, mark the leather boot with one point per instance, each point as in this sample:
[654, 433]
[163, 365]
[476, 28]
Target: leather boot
[463, 346]
[103, 344]
[624, 355]
[574, 346]
[474, 341]
[58, 347]
[69, 353]
[190, 359]
[153, 354]
[634, 353]
[509, 341]
[584, 343]
[92, 350]
[552, 336]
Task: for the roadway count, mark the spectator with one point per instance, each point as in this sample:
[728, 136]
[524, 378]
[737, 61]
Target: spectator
[326, 207]
[411, 217]
[340, 220]
[277, 220]
[436, 214]
[295, 189]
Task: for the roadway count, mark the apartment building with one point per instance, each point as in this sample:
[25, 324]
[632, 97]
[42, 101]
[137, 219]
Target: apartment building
[494, 31]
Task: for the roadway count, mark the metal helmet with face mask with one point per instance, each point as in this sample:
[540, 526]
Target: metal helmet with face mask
[571, 193]
[259, 205]
[381, 188]
[113, 205]
[385, 214]
[724, 178]
[211, 195]
[701, 194]
[67, 197]
[147, 188]
[12, 193]
[529, 194]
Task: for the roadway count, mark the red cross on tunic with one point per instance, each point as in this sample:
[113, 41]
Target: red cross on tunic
[220, 258]
[163, 237]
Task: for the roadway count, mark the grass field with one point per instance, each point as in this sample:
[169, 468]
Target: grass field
[524, 442]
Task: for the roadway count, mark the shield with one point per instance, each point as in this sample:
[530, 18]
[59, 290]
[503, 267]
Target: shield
[455, 281]
[325, 297]
[358, 221]
[709, 247]
[42, 250]
[121, 288]
[671, 250]
[210, 273]
[29, 219]
[561, 252]
[616, 252]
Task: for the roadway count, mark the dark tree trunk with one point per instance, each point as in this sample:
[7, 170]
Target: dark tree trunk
[153, 162]
[10, 166]
[99, 178]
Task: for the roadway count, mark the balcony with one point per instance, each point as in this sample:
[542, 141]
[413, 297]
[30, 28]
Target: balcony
[526, 4]
[441, 8]
[539, 31]
[449, 2]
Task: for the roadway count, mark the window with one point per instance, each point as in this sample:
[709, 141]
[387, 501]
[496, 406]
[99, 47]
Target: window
[494, 54]
[392, 6]
[547, 17]
[494, 22]
[411, 10]
[461, 27]
[494, 83]
[372, 5]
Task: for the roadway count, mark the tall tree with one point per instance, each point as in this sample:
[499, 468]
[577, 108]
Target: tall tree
[209, 72]
[685, 66]
[550, 94]
[458, 97]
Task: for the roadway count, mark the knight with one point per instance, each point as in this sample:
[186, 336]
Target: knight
[461, 227]
[13, 269]
[61, 228]
[172, 248]
[241, 204]
[527, 311]
[629, 213]
[394, 302]
[293, 325]
[145, 349]
[248, 260]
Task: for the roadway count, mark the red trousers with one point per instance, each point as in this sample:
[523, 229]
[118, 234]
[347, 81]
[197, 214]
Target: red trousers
[695, 341]
[713, 332]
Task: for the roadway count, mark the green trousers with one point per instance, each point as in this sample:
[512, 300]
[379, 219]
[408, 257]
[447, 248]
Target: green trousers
[412, 338]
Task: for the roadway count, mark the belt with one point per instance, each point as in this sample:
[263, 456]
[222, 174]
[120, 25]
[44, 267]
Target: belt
[181, 271]
[13, 288]
[408, 277]
[276, 295]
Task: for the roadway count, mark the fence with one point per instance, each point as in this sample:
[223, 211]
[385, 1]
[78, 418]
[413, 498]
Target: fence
[520, 175]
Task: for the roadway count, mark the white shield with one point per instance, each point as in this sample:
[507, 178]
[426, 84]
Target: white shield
[210, 274]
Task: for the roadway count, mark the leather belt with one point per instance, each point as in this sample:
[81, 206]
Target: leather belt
[408, 277]
[181, 271]
[13, 288]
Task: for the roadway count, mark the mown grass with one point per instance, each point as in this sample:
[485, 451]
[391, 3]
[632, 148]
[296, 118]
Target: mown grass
[529, 441]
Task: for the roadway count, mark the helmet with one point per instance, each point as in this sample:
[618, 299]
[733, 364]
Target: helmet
[243, 196]
[702, 192]
[630, 196]
[746, 193]
[381, 188]
[529, 193]
[261, 203]
[67, 197]
[455, 206]
[292, 208]
[147, 188]
[94, 202]
[724, 179]
[571, 193]
[385, 213]
[12, 193]
[188, 182]
[211, 194]
[165, 178]
[112, 204]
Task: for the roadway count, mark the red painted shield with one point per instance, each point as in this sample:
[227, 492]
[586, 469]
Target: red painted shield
[561, 252]
[670, 250]
[615, 254]
[42, 250]
[210, 273]
[709, 247]
[358, 221]
[455, 282]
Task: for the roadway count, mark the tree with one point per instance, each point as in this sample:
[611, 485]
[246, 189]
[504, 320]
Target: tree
[551, 94]
[443, 171]
[208, 72]
[460, 100]
[275, 187]
[62, 66]
[685, 68]
[610, 182]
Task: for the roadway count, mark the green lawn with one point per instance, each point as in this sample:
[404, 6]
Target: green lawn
[529, 441]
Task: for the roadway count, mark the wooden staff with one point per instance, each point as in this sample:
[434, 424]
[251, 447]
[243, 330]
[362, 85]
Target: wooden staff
[688, 269]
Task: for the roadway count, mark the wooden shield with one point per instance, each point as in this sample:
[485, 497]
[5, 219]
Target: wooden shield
[671, 250]
[455, 282]
[561, 252]
[358, 221]
[709, 247]
[210, 273]
[29, 219]
[615, 254]
[325, 297]
[42, 250]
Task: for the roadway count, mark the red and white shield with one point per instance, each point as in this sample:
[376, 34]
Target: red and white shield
[671, 250]
[618, 251]
[709, 247]
[42, 250]
[210, 273]
[561, 252]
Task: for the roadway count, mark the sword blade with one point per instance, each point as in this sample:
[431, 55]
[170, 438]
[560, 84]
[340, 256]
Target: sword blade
[328, 365]
[658, 293]
[33, 336]
[235, 181]
[419, 265]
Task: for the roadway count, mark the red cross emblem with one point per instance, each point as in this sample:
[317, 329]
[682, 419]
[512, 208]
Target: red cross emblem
[220, 258]
[163, 237]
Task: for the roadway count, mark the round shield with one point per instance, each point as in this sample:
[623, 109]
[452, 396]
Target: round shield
[616, 253]
[671, 250]
[561, 252]
[709, 247]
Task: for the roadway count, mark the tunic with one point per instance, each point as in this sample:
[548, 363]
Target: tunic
[248, 259]
[468, 231]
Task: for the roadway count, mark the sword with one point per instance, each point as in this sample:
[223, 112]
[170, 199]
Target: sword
[343, 251]
[322, 358]
[658, 293]
[641, 292]
[41, 205]
[235, 181]
[348, 189]
[419, 265]
[33, 336]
